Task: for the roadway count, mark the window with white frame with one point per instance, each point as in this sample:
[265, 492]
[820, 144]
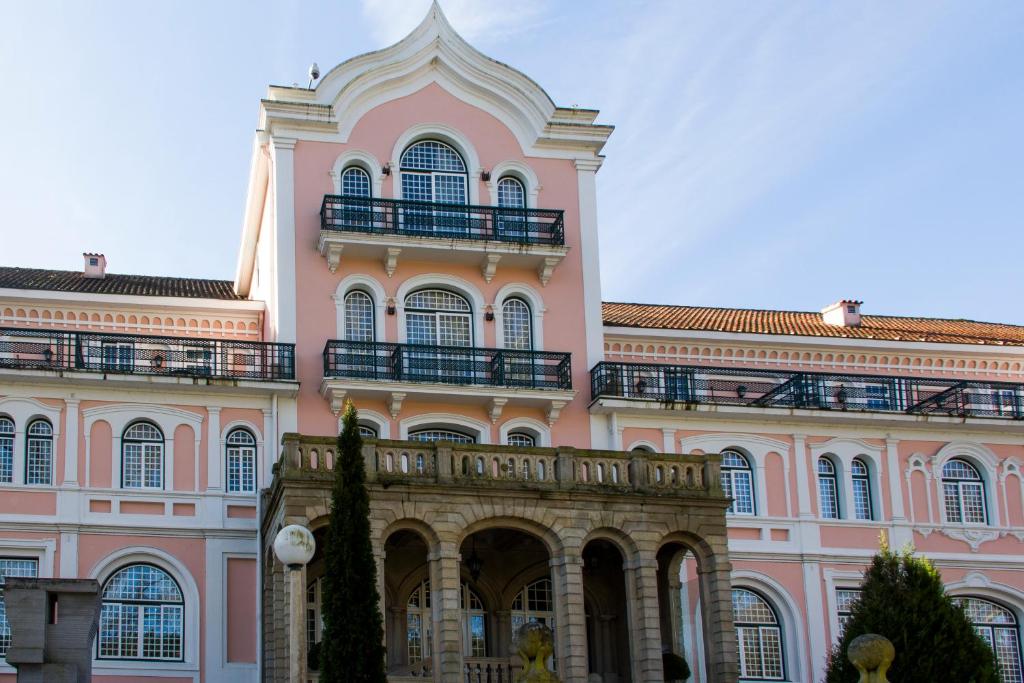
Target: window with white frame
[12, 566]
[434, 172]
[437, 434]
[314, 616]
[511, 223]
[241, 461]
[522, 439]
[517, 324]
[367, 431]
[142, 457]
[845, 599]
[142, 616]
[355, 182]
[534, 603]
[118, 356]
[963, 493]
[474, 623]
[437, 317]
[828, 489]
[6, 450]
[861, 481]
[39, 452]
[999, 628]
[760, 637]
[418, 624]
[359, 325]
[511, 193]
[738, 482]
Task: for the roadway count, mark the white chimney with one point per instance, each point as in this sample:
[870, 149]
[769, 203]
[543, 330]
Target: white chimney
[845, 313]
[95, 265]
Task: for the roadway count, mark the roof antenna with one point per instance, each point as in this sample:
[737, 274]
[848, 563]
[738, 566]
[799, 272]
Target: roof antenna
[314, 73]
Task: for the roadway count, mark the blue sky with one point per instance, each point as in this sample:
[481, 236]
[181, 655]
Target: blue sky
[766, 155]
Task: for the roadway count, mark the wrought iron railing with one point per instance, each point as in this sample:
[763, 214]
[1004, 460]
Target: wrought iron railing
[447, 365]
[450, 221]
[824, 391]
[124, 354]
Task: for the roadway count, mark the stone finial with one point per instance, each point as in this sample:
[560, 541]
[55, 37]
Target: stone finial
[871, 654]
[535, 644]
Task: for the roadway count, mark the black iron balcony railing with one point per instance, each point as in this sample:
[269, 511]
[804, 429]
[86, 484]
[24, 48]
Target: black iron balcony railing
[447, 365]
[124, 354]
[781, 389]
[450, 221]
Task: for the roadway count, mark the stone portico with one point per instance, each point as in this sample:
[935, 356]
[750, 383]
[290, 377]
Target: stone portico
[471, 540]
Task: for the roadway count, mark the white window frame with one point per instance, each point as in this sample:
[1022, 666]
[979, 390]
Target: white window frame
[730, 473]
[241, 452]
[142, 443]
[824, 479]
[960, 484]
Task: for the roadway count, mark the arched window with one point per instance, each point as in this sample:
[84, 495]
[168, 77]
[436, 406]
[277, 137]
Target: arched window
[438, 317]
[355, 182]
[418, 624]
[511, 193]
[367, 431]
[518, 324]
[241, 461]
[759, 636]
[39, 453]
[512, 222]
[963, 492]
[358, 316]
[998, 626]
[440, 435]
[828, 489]
[314, 618]
[142, 457]
[859, 477]
[12, 566]
[738, 482]
[6, 450]
[142, 615]
[474, 623]
[534, 603]
[522, 439]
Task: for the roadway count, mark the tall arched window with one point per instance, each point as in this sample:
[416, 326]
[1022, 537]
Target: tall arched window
[241, 461]
[6, 450]
[534, 603]
[860, 478]
[759, 636]
[828, 489]
[511, 193]
[517, 324]
[142, 615]
[963, 492]
[438, 317]
[418, 624]
[359, 324]
[511, 223]
[474, 623]
[39, 453]
[433, 172]
[998, 626]
[142, 457]
[355, 182]
[434, 434]
[738, 482]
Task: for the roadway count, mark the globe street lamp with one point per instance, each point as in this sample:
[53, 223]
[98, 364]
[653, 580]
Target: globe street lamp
[294, 546]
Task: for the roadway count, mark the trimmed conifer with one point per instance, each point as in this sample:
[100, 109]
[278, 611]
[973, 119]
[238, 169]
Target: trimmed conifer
[902, 598]
[352, 649]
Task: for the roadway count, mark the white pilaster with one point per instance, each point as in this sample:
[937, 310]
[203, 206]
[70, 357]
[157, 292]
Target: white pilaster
[71, 443]
[283, 299]
[586, 170]
[803, 493]
[214, 466]
[69, 555]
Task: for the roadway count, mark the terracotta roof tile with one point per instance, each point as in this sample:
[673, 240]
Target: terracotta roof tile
[130, 285]
[753, 321]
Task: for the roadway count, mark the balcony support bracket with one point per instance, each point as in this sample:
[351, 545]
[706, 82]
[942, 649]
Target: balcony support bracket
[554, 410]
[333, 254]
[395, 403]
[547, 268]
[391, 260]
[336, 397]
[489, 266]
[494, 408]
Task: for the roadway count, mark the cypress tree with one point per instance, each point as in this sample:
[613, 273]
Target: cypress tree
[902, 598]
[352, 649]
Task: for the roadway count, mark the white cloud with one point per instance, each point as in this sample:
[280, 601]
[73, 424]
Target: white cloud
[392, 20]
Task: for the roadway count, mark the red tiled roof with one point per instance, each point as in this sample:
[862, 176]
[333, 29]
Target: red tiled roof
[752, 321]
[130, 285]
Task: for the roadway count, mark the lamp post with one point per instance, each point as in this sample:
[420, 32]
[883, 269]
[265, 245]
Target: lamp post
[294, 547]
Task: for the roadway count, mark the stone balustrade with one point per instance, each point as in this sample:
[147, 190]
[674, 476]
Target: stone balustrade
[497, 466]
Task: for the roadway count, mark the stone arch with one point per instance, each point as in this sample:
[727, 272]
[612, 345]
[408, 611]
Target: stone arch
[545, 534]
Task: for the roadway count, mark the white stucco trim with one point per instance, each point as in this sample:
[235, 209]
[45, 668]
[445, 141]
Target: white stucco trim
[376, 291]
[445, 420]
[540, 431]
[448, 135]
[976, 585]
[442, 281]
[122, 557]
[23, 411]
[643, 443]
[365, 161]
[756, 448]
[842, 451]
[987, 464]
[521, 172]
[835, 579]
[537, 310]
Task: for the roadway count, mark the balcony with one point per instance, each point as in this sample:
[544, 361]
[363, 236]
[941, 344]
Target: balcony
[455, 373]
[688, 386]
[122, 354]
[388, 229]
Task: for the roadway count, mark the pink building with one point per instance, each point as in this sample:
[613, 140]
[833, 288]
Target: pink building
[420, 236]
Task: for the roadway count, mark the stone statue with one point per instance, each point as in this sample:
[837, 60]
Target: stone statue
[871, 654]
[535, 644]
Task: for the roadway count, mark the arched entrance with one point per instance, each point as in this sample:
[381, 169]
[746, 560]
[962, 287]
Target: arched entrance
[604, 590]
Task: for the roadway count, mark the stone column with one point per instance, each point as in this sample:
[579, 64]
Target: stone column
[645, 618]
[570, 617]
[721, 653]
[502, 633]
[445, 584]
